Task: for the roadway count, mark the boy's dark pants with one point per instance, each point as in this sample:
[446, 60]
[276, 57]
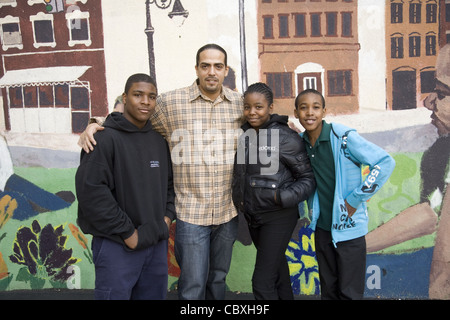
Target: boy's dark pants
[122, 274]
[342, 269]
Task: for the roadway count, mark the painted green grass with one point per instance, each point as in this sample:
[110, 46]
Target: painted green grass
[400, 192]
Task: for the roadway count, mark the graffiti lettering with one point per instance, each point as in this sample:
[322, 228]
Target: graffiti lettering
[369, 186]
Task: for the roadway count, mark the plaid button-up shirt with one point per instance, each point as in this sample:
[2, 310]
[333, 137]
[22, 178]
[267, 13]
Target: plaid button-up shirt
[202, 137]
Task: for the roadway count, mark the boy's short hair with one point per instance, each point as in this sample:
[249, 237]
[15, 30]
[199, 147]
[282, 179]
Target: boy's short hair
[301, 94]
[210, 46]
[138, 77]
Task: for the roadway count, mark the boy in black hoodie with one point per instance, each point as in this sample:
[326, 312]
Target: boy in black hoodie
[126, 199]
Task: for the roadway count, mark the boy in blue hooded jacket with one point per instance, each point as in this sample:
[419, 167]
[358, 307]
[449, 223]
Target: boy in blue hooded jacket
[339, 211]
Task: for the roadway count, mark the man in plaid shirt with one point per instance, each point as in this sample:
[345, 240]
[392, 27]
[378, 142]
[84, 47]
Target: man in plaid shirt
[201, 123]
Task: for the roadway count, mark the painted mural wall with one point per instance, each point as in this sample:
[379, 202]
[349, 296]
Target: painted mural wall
[63, 61]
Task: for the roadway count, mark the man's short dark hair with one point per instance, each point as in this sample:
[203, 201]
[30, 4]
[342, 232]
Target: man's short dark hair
[211, 46]
[138, 77]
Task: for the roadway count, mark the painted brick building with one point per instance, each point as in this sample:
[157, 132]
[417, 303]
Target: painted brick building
[412, 45]
[310, 44]
[52, 67]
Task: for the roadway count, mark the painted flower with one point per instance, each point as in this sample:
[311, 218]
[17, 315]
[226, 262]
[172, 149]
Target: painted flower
[43, 253]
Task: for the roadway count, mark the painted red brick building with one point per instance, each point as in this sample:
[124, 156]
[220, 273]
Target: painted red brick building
[52, 66]
[310, 44]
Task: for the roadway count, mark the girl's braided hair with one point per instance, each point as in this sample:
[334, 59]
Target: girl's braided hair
[262, 88]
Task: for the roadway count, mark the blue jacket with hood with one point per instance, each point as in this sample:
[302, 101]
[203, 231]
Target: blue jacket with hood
[350, 151]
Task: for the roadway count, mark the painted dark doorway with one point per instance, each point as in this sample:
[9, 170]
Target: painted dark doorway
[404, 90]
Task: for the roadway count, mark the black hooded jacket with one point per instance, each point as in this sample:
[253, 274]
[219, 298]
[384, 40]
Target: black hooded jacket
[271, 174]
[125, 183]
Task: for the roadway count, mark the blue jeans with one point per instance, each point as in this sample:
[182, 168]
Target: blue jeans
[122, 274]
[204, 256]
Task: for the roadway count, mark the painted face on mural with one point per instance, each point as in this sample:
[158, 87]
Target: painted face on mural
[310, 112]
[211, 72]
[140, 102]
[439, 103]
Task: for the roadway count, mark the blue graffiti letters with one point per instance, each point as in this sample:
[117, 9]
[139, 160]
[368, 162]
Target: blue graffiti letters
[369, 184]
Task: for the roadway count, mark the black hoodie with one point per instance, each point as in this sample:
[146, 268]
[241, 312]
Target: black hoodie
[125, 183]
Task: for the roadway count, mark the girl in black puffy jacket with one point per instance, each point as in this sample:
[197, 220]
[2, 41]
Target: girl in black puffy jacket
[272, 175]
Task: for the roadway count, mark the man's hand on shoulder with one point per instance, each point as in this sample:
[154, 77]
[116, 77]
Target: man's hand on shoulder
[87, 141]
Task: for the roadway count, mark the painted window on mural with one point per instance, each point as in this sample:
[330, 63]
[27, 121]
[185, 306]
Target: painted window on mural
[340, 83]
[300, 25]
[268, 27]
[427, 81]
[431, 13]
[46, 96]
[397, 47]
[284, 25]
[30, 97]
[80, 108]
[15, 97]
[10, 35]
[430, 44]
[42, 96]
[331, 24]
[79, 31]
[62, 96]
[347, 24]
[281, 84]
[315, 25]
[447, 11]
[414, 45]
[310, 83]
[310, 80]
[80, 98]
[43, 30]
[415, 15]
[396, 12]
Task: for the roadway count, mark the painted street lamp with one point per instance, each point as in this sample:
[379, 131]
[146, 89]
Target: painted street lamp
[178, 15]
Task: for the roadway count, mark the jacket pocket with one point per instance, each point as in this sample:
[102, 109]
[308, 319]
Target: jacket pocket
[264, 194]
[150, 234]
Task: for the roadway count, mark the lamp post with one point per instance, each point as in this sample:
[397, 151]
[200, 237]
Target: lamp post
[242, 45]
[178, 14]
